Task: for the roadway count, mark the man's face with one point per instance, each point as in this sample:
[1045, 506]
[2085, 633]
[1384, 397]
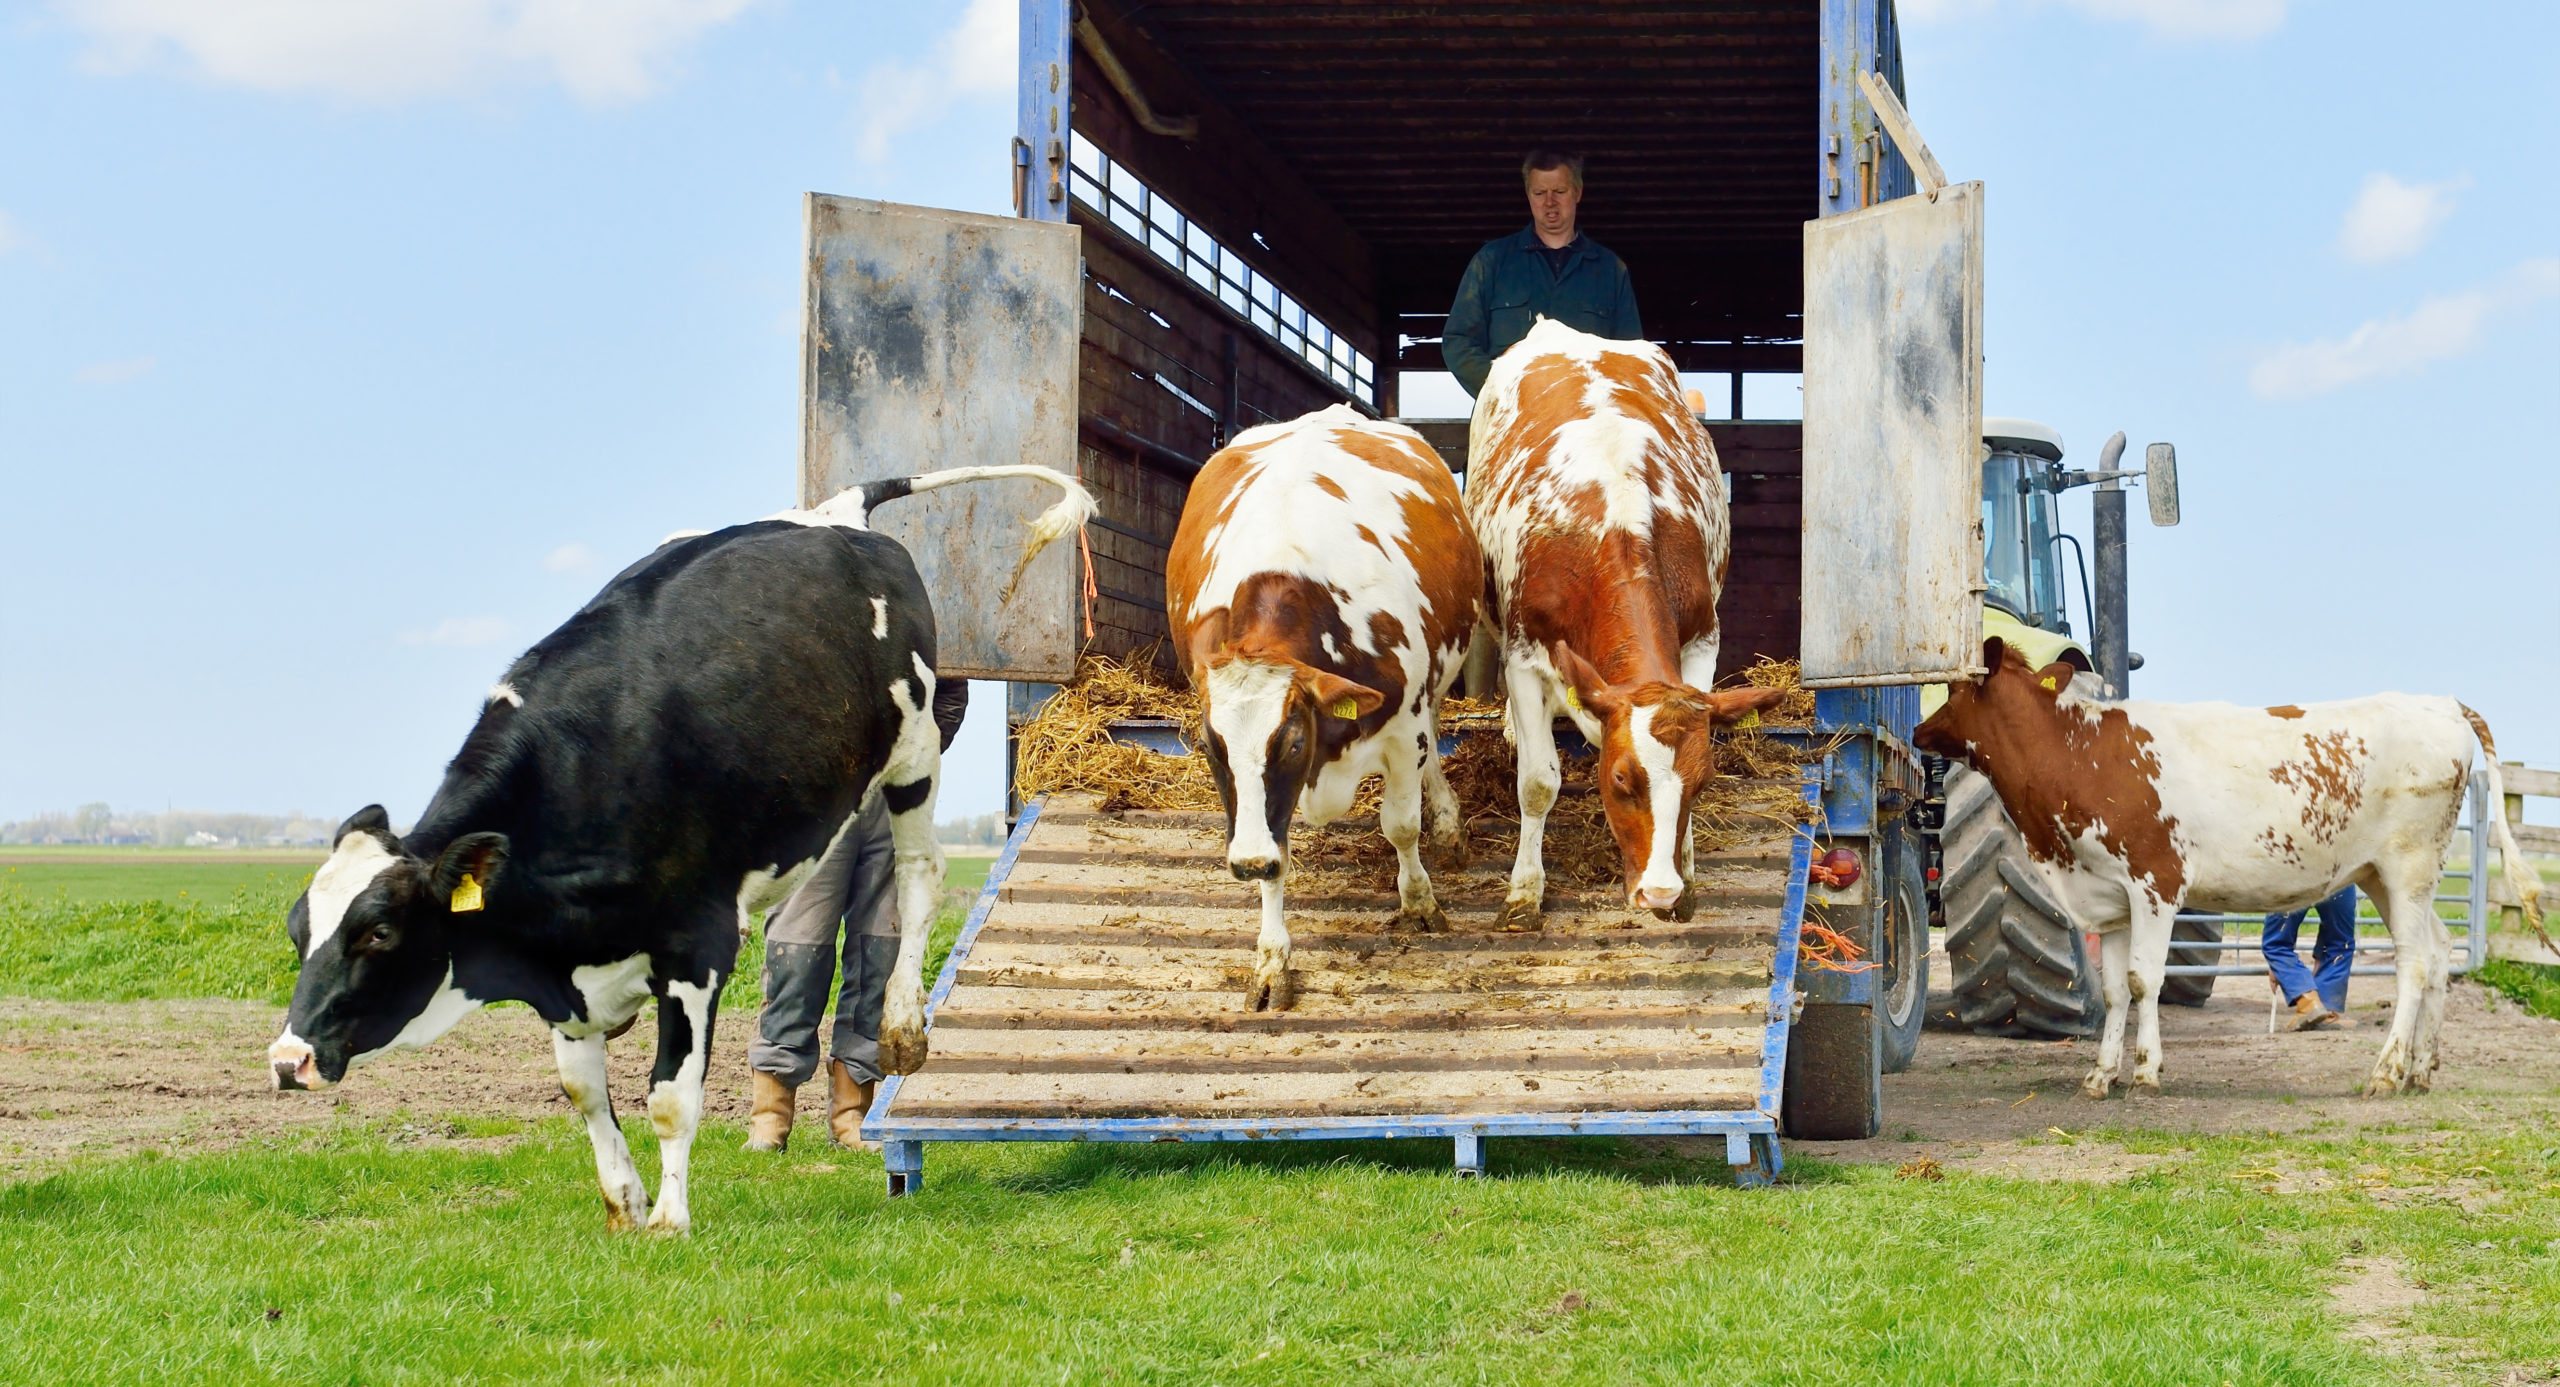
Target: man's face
[1552, 200]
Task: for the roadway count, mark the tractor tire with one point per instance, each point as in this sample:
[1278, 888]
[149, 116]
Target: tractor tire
[2192, 991]
[2021, 967]
[1902, 994]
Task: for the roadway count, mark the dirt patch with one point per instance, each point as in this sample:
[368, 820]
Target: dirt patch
[84, 1079]
[1981, 1104]
[80, 1079]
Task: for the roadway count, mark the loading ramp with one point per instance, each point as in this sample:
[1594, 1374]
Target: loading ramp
[1096, 993]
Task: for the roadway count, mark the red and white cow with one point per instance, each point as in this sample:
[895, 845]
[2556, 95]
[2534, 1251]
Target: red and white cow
[2134, 810]
[1321, 591]
[1602, 513]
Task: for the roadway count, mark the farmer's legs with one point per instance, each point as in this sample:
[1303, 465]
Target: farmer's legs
[800, 964]
[2334, 953]
[2277, 943]
[870, 947]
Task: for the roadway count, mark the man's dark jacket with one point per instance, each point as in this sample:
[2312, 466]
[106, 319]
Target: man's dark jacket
[1509, 287]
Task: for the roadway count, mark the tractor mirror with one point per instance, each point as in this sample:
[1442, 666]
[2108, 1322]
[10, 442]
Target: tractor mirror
[2160, 482]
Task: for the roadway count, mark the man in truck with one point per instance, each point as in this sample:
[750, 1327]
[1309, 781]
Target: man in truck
[1549, 270]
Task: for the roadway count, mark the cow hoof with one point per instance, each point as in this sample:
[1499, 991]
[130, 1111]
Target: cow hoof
[619, 1216]
[2141, 1081]
[1518, 917]
[670, 1225]
[902, 1050]
[2096, 1086]
[1430, 919]
[1270, 991]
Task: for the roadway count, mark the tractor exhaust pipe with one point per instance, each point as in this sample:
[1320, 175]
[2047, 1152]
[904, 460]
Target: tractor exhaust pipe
[2107, 507]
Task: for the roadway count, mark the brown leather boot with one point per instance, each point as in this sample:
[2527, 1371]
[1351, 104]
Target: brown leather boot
[848, 1098]
[769, 1121]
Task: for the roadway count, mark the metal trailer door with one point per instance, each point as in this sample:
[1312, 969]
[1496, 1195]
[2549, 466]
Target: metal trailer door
[934, 339]
[1893, 441]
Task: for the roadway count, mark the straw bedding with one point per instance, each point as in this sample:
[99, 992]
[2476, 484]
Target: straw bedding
[1068, 748]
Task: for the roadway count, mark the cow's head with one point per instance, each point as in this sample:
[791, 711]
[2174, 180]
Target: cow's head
[1657, 751]
[1272, 721]
[2009, 694]
[377, 931]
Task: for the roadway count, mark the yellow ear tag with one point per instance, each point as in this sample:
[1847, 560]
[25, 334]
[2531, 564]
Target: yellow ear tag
[2050, 686]
[1749, 719]
[466, 897]
[1571, 699]
[1346, 707]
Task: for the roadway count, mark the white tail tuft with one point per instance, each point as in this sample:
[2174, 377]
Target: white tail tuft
[1047, 528]
[2521, 878]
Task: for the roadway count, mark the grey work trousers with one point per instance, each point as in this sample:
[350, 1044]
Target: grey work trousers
[852, 888]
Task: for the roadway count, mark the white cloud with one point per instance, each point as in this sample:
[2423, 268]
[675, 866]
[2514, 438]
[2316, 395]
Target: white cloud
[386, 51]
[2175, 19]
[978, 57]
[114, 372]
[2442, 326]
[572, 557]
[460, 630]
[2392, 220]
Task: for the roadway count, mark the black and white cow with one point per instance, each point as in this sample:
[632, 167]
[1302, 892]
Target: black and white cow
[675, 757]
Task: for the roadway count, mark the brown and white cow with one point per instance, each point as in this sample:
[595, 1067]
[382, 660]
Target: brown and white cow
[1321, 591]
[2134, 810]
[1602, 513]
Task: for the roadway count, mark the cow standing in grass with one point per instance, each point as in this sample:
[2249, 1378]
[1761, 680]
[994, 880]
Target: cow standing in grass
[672, 760]
[1321, 590]
[1602, 513]
[2133, 811]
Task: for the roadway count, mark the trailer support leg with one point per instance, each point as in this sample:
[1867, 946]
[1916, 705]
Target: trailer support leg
[1470, 1155]
[1755, 1159]
[905, 1160]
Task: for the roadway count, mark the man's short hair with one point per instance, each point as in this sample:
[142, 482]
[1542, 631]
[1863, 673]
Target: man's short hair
[1547, 160]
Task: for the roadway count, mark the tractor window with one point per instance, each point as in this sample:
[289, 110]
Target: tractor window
[2004, 537]
[2044, 559]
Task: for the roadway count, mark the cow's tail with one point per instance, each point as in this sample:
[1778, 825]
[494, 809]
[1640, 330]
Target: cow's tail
[2521, 878]
[1047, 528]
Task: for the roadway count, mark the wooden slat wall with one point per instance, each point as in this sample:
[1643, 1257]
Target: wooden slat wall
[1124, 350]
[1763, 592]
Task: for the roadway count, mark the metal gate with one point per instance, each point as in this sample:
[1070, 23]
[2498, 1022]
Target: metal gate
[934, 339]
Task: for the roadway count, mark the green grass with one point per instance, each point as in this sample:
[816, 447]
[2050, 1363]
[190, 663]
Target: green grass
[2535, 985]
[147, 945]
[356, 1257]
[109, 876]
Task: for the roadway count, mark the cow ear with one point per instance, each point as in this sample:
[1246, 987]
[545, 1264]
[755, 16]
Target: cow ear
[1584, 683]
[467, 869]
[1994, 650]
[1735, 705]
[1207, 649]
[370, 819]
[2055, 677]
[1337, 697]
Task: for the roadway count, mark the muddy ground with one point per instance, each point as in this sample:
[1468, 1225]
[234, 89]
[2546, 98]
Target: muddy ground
[99, 1079]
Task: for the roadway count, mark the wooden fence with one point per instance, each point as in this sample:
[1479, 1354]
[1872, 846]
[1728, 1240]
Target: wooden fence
[2510, 939]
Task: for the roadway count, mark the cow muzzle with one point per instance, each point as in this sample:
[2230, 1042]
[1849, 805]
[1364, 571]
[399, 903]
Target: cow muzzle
[1653, 897]
[295, 1064]
[1254, 868]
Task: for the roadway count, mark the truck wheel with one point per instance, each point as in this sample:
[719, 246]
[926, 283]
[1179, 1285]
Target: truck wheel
[2020, 965]
[1835, 1063]
[2192, 991]
[1902, 994]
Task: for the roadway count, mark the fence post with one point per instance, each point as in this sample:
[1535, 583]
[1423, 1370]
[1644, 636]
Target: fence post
[2511, 912]
[2476, 944]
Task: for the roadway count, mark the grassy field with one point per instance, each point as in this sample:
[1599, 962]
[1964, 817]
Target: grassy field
[131, 928]
[452, 1245]
[365, 1256]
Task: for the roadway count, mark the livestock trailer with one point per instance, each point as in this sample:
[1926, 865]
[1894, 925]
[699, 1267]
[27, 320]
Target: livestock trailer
[1234, 211]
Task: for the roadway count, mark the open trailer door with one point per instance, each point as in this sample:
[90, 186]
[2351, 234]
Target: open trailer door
[1893, 441]
[933, 339]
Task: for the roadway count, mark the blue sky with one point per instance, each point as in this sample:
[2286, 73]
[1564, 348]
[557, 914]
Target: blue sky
[344, 349]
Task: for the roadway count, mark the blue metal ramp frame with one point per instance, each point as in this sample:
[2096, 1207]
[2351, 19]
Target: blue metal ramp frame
[1751, 1136]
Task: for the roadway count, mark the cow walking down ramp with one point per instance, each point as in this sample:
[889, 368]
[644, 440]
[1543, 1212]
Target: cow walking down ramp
[2132, 811]
[674, 758]
[1094, 996]
[1597, 498]
[1321, 591]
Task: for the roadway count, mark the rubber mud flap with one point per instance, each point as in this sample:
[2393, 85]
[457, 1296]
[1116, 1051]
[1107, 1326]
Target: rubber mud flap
[1835, 1074]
